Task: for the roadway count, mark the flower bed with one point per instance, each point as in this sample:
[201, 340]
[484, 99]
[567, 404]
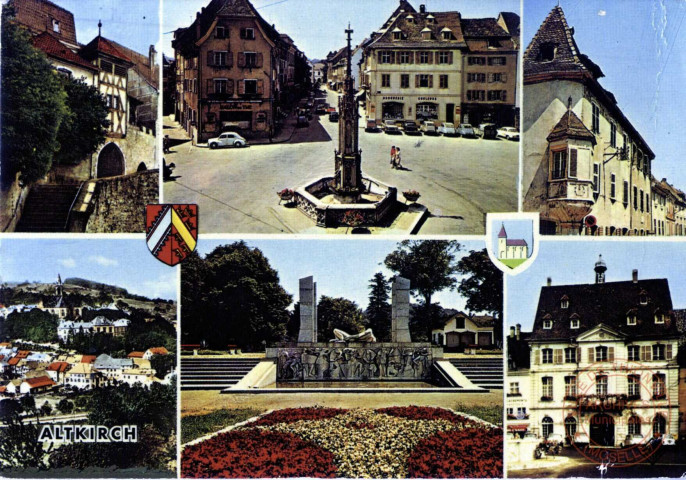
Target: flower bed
[256, 454]
[290, 415]
[392, 442]
[468, 453]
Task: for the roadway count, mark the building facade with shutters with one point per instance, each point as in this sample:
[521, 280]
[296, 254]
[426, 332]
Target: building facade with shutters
[586, 168]
[603, 361]
[440, 67]
[232, 69]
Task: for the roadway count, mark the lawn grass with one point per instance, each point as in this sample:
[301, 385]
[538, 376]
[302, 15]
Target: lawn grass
[513, 263]
[492, 413]
[195, 426]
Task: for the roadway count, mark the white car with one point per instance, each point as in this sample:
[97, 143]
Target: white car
[447, 129]
[228, 139]
[581, 437]
[429, 128]
[508, 133]
[668, 439]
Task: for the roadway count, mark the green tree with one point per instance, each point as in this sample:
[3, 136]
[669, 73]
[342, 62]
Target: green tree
[233, 296]
[482, 286]
[430, 266]
[338, 313]
[65, 406]
[33, 105]
[379, 308]
[163, 364]
[45, 409]
[84, 126]
[36, 326]
[28, 404]
[18, 445]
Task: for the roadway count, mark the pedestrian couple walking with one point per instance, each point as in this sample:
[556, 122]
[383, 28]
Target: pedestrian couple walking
[395, 157]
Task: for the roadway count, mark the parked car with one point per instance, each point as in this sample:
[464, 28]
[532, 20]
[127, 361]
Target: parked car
[334, 116]
[466, 130]
[227, 139]
[634, 439]
[410, 127]
[302, 121]
[371, 126]
[581, 437]
[389, 126]
[508, 133]
[321, 109]
[488, 130]
[668, 439]
[447, 129]
[429, 128]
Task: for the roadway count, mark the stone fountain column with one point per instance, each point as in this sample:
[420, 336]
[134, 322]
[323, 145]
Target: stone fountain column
[400, 311]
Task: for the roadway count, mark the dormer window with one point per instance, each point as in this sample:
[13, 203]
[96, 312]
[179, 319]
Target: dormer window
[447, 34]
[547, 52]
[659, 318]
[430, 19]
[410, 19]
[574, 321]
[55, 26]
[547, 322]
[397, 34]
[631, 319]
[643, 297]
[564, 302]
[426, 34]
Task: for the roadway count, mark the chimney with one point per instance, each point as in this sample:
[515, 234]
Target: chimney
[512, 332]
[422, 8]
[152, 54]
[518, 331]
[549, 282]
[634, 275]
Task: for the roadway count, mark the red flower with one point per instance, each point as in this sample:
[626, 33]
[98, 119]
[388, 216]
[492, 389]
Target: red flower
[256, 454]
[290, 415]
[425, 413]
[468, 453]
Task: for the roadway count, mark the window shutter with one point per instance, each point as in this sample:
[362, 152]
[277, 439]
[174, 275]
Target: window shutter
[611, 354]
[450, 58]
[572, 162]
[416, 80]
[392, 57]
[491, 78]
[379, 60]
[503, 77]
[241, 87]
[431, 58]
[260, 87]
[210, 86]
[578, 354]
[537, 357]
[431, 81]
[668, 352]
[645, 353]
[503, 96]
[229, 59]
[558, 356]
[591, 356]
[411, 57]
[418, 56]
[210, 58]
[260, 60]
[241, 59]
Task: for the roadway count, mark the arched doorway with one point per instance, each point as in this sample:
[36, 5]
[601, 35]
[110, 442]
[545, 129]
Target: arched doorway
[111, 161]
[603, 430]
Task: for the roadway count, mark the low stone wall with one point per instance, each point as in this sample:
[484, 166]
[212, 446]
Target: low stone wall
[354, 361]
[118, 203]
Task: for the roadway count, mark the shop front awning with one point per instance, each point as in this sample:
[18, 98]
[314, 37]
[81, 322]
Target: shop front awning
[517, 428]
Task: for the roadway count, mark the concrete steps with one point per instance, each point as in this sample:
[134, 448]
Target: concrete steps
[47, 208]
[484, 372]
[214, 373]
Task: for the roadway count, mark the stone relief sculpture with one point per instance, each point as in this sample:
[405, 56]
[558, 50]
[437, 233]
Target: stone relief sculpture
[341, 336]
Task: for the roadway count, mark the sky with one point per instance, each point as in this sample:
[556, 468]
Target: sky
[132, 23]
[317, 26]
[341, 268]
[122, 262]
[569, 262]
[633, 42]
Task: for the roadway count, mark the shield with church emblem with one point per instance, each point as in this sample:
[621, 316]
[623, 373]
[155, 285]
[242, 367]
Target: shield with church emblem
[171, 231]
[512, 240]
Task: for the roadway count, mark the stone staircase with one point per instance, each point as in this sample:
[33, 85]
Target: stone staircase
[484, 372]
[214, 373]
[47, 208]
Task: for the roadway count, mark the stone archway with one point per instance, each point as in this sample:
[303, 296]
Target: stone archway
[603, 430]
[111, 161]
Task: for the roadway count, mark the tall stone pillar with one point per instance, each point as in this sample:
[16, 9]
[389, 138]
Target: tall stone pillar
[308, 310]
[400, 310]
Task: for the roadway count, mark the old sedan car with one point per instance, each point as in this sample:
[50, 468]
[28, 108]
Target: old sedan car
[228, 139]
[334, 116]
[488, 130]
[429, 128]
[390, 127]
[411, 128]
[447, 129]
[466, 130]
[508, 133]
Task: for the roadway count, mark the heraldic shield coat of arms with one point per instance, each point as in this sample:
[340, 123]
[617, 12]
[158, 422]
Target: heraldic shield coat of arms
[171, 231]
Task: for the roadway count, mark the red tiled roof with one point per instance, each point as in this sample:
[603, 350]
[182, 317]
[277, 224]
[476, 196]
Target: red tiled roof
[102, 45]
[59, 367]
[14, 361]
[43, 381]
[135, 355]
[23, 354]
[3, 388]
[158, 351]
[88, 359]
[54, 48]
